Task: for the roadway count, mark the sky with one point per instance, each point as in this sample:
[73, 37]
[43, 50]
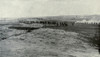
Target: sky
[39, 8]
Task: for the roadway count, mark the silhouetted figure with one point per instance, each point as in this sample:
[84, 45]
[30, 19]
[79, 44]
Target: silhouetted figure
[73, 23]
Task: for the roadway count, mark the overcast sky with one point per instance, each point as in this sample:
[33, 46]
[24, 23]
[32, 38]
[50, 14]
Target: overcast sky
[34, 8]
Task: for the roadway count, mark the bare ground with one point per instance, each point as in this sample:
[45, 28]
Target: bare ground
[45, 42]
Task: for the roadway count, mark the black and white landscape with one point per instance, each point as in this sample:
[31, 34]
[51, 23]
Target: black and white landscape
[53, 36]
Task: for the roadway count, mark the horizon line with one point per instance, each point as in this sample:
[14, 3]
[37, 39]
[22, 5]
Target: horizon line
[47, 16]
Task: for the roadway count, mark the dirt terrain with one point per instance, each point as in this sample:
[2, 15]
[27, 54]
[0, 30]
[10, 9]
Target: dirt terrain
[47, 42]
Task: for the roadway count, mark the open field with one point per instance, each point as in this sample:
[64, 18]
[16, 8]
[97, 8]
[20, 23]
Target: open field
[51, 40]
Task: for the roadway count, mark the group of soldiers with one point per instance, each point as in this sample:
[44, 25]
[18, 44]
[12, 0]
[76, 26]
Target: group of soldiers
[48, 22]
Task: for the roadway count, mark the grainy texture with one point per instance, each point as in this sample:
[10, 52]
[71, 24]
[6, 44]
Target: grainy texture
[45, 42]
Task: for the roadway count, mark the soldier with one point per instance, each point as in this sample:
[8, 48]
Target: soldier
[73, 23]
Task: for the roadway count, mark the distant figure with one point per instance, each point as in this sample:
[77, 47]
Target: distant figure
[73, 23]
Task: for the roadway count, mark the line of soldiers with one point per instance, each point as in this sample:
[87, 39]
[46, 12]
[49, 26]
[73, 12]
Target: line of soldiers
[48, 22]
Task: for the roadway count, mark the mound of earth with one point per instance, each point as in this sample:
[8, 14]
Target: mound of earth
[45, 42]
